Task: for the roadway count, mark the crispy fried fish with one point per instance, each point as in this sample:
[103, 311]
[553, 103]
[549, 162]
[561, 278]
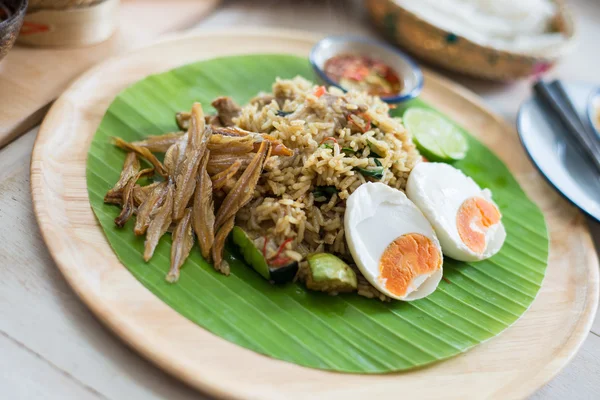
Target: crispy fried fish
[174, 156]
[243, 190]
[219, 163]
[203, 212]
[159, 224]
[217, 251]
[235, 145]
[160, 143]
[141, 193]
[279, 149]
[131, 167]
[219, 180]
[149, 207]
[183, 240]
[142, 152]
[127, 198]
[183, 120]
[185, 178]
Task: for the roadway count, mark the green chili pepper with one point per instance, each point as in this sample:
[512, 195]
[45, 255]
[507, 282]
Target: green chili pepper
[376, 172]
[373, 149]
[325, 191]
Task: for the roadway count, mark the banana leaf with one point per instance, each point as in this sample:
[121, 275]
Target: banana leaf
[347, 333]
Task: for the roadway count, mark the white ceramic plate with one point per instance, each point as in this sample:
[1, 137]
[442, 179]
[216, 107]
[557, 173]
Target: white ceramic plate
[549, 147]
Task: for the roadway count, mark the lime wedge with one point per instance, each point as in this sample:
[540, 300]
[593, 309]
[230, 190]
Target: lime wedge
[436, 138]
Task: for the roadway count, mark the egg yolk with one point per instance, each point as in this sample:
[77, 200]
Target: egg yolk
[407, 257]
[473, 219]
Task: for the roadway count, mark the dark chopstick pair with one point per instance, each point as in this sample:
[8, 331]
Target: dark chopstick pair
[554, 96]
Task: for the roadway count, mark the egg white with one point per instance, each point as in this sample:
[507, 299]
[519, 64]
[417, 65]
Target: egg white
[439, 190]
[376, 215]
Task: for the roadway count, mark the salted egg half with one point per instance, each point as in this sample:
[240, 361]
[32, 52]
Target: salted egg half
[464, 216]
[392, 243]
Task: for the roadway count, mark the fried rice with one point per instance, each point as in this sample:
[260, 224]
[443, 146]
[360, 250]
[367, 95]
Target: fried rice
[336, 137]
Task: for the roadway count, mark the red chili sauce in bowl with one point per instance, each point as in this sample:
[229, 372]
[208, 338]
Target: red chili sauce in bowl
[362, 73]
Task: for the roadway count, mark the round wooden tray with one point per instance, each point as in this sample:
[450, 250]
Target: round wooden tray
[514, 364]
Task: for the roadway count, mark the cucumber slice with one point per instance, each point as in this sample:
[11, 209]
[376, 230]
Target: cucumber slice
[329, 274]
[254, 257]
[251, 254]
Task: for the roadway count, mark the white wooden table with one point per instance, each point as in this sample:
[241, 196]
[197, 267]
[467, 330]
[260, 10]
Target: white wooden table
[51, 347]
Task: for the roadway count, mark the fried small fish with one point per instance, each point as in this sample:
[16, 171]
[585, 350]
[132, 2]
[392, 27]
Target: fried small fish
[217, 250]
[141, 193]
[185, 178]
[127, 198]
[220, 162]
[243, 190]
[279, 149]
[219, 180]
[228, 186]
[142, 152]
[160, 143]
[183, 120]
[203, 212]
[220, 144]
[183, 240]
[174, 156]
[149, 207]
[159, 224]
[131, 167]
[196, 133]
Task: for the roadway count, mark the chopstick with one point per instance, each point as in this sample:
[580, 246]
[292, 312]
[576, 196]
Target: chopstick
[559, 88]
[556, 98]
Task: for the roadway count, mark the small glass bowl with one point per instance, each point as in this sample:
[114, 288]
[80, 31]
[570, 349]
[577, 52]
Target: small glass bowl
[407, 70]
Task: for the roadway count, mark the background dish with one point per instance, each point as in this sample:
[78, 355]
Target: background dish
[556, 158]
[444, 48]
[565, 305]
[408, 71]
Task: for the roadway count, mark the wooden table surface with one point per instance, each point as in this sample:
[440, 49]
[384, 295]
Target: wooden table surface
[51, 347]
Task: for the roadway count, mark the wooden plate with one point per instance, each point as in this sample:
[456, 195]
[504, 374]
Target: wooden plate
[511, 365]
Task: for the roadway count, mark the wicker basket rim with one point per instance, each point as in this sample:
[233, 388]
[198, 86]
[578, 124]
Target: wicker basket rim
[564, 14]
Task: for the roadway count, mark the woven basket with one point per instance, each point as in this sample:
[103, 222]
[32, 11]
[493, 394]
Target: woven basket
[59, 4]
[445, 49]
[68, 22]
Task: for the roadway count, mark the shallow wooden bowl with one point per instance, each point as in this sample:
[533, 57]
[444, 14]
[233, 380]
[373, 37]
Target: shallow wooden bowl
[448, 50]
[511, 365]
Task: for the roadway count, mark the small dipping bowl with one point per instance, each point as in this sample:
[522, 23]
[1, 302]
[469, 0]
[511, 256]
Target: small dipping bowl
[593, 111]
[10, 27]
[407, 70]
